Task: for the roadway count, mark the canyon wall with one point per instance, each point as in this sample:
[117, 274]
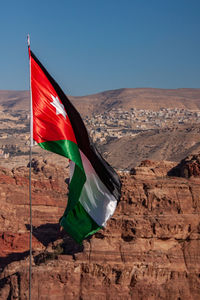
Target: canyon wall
[150, 248]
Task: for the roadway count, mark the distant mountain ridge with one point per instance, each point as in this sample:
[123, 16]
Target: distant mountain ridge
[14, 100]
[140, 98]
[125, 98]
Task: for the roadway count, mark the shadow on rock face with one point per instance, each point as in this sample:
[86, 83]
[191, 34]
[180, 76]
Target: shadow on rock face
[188, 167]
[16, 256]
[70, 246]
[55, 240]
[47, 233]
[60, 241]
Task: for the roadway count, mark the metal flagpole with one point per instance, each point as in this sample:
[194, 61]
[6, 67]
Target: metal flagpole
[30, 160]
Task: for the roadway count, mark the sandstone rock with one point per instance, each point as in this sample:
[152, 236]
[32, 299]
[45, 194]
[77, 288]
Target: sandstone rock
[152, 168]
[188, 167]
[149, 249]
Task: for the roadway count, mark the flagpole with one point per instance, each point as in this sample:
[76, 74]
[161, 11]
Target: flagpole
[30, 160]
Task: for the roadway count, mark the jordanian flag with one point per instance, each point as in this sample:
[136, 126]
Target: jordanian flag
[94, 188]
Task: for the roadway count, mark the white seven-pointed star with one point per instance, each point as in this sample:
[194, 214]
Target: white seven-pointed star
[59, 106]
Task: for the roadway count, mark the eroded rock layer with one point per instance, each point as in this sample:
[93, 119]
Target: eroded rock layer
[150, 248]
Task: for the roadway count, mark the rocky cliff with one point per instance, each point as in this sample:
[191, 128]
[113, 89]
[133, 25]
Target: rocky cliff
[150, 248]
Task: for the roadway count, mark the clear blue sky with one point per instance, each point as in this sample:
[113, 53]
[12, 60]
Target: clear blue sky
[90, 46]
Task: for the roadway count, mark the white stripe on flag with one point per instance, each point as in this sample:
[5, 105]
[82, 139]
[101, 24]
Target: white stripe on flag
[96, 199]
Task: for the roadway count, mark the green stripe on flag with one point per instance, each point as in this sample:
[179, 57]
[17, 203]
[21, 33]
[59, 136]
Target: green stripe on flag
[79, 224]
[65, 148]
[70, 150]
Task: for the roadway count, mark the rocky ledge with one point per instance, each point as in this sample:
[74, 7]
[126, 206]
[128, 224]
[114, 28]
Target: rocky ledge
[150, 248]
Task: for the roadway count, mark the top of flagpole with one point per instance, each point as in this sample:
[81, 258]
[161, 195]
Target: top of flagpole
[28, 40]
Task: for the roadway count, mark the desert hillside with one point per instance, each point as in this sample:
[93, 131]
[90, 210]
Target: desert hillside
[165, 144]
[127, 125]
[140, 98]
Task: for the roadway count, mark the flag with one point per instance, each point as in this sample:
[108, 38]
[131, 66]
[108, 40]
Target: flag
[94, 187]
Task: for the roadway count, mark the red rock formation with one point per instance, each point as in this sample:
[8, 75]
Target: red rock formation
[149, 250]
[188, 167]
[49, 198]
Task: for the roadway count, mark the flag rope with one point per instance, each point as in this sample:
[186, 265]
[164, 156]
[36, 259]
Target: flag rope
[30, 160]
